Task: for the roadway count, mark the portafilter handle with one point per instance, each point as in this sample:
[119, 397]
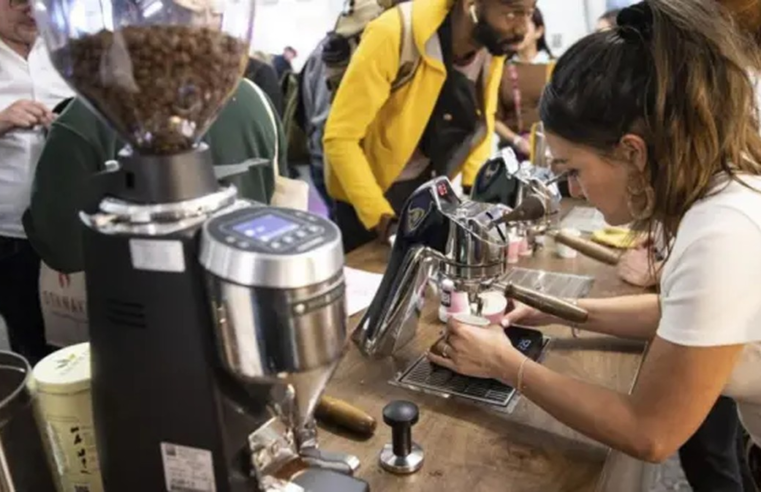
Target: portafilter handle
[532, 208]
[588, 248]
[548, 304]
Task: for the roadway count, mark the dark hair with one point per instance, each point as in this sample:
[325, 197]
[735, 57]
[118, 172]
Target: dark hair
[674, 73]
[538, 20]
[291, 49]
[610, 17]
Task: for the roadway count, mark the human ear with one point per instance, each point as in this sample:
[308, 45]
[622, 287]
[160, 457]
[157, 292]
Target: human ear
[633, 149]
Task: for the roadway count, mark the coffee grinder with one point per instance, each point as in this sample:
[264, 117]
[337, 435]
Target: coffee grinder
[215, 323]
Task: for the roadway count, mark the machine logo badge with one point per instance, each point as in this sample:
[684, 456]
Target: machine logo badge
[415, 216]
[491, 170]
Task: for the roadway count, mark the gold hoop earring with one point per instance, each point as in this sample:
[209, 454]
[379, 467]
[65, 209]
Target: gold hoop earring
[640, 197]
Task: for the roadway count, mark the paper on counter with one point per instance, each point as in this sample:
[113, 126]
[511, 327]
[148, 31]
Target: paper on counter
[585, 219]
[361, 287]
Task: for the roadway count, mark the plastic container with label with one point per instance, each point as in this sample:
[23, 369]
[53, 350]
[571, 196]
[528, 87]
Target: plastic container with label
[64, 409]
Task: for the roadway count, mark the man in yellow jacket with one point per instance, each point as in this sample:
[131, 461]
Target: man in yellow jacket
[383, 140]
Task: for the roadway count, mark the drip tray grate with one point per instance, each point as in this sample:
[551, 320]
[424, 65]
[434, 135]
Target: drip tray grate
[423, 376]
[563, 285]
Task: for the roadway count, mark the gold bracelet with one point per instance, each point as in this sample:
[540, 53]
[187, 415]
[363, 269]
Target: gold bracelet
[519, 385]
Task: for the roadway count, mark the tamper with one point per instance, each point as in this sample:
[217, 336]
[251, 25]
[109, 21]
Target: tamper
[402, 456]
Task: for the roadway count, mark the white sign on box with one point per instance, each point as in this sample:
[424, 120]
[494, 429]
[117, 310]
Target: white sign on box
[361, 287]
[64, 306]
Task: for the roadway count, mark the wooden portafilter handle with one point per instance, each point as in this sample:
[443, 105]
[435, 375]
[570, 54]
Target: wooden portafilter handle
[344, 415]
[546, 303]
[588, 248]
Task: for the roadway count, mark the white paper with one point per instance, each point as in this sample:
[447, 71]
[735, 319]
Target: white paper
[585, 219]
[361, 287]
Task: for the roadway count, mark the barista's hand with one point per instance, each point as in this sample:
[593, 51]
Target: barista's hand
[386, 228]
[476, 351]
[522, 145]
[24, 114]
[634, 267]
[522, 314]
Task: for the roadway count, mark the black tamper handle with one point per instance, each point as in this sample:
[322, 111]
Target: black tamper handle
[401, 416]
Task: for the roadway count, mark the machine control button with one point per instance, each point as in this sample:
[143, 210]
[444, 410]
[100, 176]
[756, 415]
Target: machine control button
[314, 229]
[230, 239]
[301, 234]
[288, 240]
[402, 456]
[244, 244]
[275, 245]
[299, 308]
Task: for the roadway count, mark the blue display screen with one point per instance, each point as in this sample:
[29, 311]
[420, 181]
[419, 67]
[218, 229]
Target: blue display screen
[266, 227]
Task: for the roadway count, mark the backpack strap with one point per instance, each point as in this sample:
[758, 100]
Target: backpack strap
[273, 122]
[409, 57]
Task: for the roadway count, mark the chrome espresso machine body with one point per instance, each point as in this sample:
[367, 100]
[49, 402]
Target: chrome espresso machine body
[440, 236]
[215, 323]
[438, 233]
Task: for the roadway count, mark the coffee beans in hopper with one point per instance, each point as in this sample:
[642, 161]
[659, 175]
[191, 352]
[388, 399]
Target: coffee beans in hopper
[160, 86]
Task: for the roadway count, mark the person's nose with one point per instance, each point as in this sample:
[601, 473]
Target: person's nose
[521, 26]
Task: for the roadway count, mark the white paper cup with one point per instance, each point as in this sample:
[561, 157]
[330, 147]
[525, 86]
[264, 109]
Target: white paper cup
[564, 251]
[494, 306]
[471, 319]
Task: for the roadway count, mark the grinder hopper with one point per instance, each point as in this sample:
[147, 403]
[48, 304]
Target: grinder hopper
[157, 70]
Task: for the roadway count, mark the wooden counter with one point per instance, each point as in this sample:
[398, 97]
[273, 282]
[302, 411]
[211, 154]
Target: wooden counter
[473, 449]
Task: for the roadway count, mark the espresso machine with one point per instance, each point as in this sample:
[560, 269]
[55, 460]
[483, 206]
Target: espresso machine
[441, 235]
[215, 322]
[501, 180]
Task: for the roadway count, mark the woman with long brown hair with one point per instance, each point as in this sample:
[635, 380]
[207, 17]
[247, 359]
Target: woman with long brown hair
[655, 122]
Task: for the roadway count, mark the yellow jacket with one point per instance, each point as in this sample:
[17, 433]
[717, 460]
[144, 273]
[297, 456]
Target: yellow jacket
[371, 132]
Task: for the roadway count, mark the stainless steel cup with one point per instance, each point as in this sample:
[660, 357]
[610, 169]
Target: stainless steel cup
[23, 466]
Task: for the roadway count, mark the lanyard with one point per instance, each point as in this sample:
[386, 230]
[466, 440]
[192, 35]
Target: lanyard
[513, 72]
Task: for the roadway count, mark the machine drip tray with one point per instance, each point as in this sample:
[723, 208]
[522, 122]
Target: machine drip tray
[563, 285]
[425, 377]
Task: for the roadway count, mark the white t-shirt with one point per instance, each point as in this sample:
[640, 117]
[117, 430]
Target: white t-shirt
[711, 287]
[34, 79]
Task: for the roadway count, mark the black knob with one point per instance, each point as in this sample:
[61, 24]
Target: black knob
[401, 416]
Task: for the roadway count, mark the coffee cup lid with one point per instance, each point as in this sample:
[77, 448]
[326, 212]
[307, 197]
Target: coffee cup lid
[64, 371]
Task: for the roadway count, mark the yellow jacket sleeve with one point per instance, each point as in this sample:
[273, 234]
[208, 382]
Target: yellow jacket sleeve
[364, 89]
[479, 155]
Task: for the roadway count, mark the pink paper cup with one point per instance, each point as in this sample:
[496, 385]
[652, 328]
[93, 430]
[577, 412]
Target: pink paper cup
[494, 306]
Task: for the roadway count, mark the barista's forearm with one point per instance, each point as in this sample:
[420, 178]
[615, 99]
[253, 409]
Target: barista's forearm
[626, 317]
[504, 132]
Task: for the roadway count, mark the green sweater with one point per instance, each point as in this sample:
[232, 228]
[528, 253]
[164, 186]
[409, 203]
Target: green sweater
[79, 144]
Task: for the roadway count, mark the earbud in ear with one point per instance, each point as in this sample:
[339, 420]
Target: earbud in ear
[473, 14]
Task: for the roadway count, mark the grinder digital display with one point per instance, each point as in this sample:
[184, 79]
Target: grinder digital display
[266, 227]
